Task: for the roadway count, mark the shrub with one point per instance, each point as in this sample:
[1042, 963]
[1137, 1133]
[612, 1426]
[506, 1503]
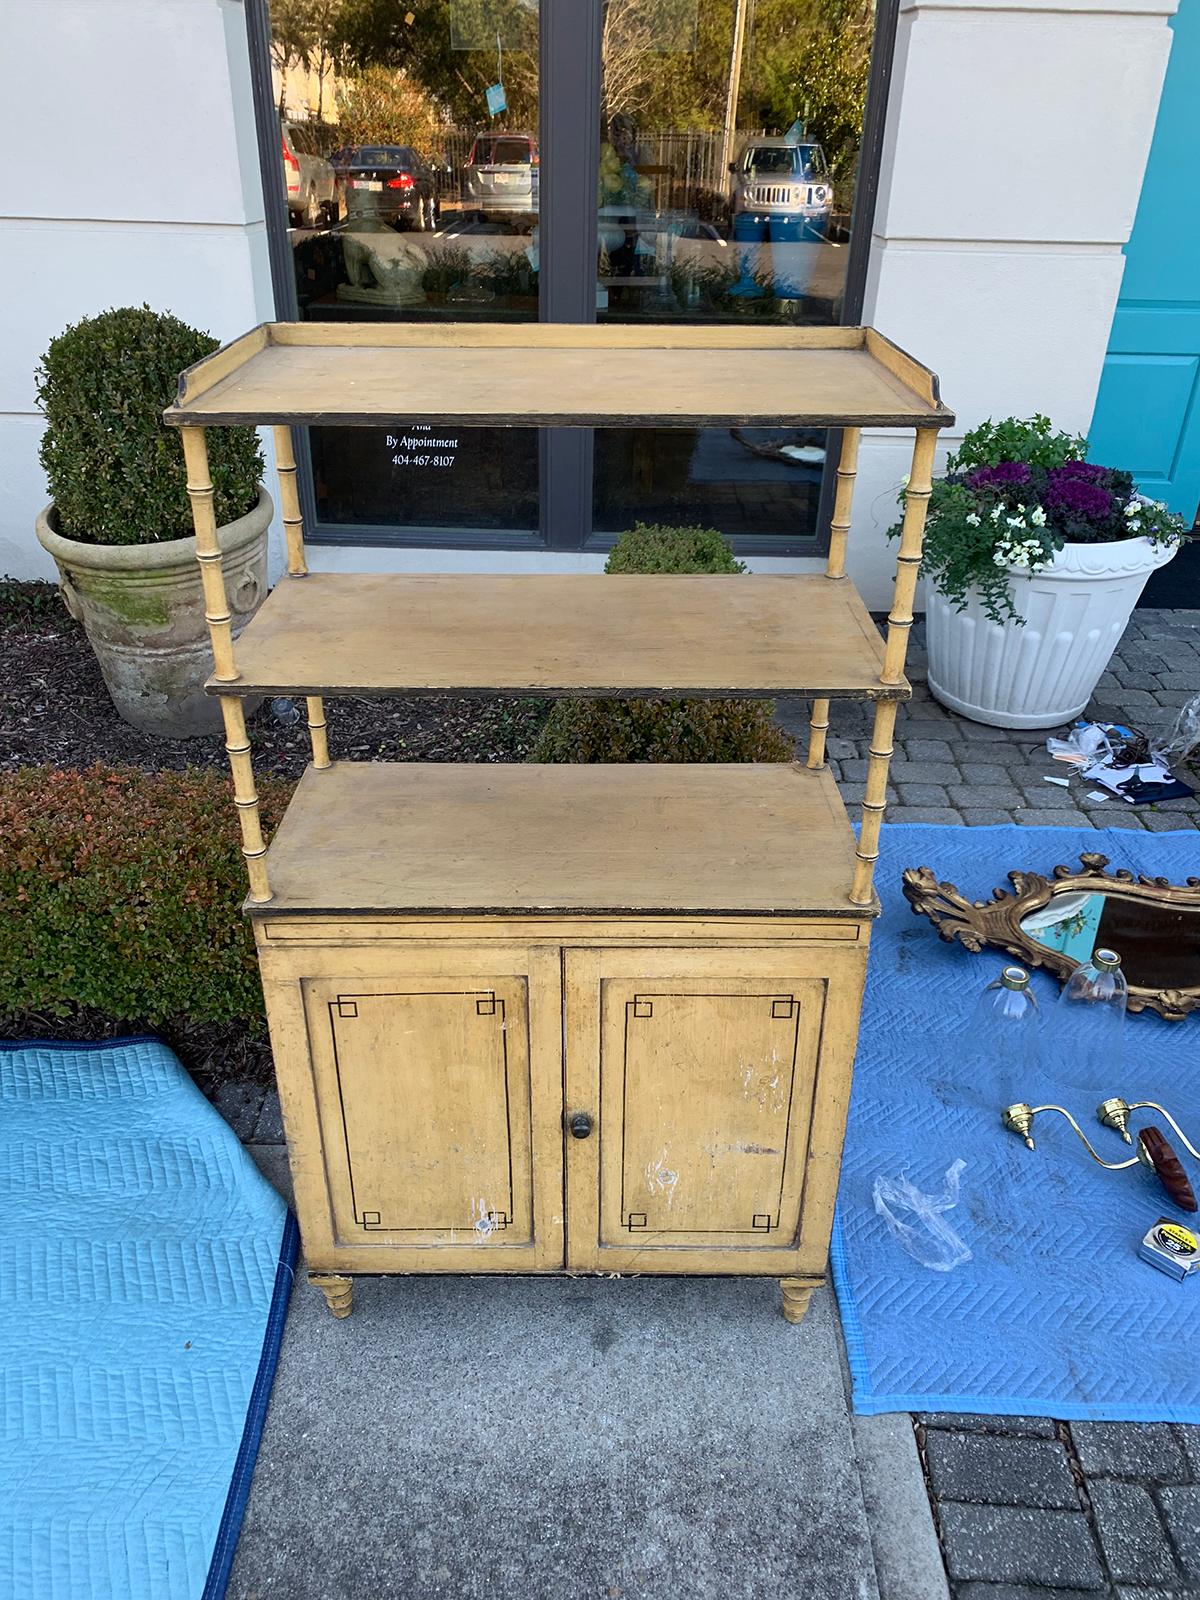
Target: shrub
[664, 730]
[121, 890]
[116, 472]
[651, 547]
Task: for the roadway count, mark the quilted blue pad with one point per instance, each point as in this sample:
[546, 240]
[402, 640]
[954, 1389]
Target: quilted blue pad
[144, 1271]
[1054, 1315]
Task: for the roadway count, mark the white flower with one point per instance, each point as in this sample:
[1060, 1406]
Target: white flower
[973, 519]
[1015, 522]
[1000, 559]
[904, 480]
[997, 513]
[1038, 517]
[1133, 509]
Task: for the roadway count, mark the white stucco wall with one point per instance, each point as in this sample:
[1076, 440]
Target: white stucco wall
[1017, 136]
[133, 176]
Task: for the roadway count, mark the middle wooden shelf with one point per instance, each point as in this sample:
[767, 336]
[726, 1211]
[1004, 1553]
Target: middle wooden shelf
[649, 839]
[380, 634]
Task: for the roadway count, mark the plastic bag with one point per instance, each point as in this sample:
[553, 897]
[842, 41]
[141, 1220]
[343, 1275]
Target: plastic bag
[1087, 742]
[1183, 741]
[924, 1235]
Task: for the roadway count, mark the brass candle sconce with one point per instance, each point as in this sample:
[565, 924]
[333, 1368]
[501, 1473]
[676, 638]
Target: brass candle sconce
[1152, 1149]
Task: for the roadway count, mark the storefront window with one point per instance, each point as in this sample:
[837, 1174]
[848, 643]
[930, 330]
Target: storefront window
[406, 141]
[410, 164]
[729, 149]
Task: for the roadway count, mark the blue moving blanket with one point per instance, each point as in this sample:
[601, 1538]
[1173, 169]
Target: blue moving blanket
[145, 1267]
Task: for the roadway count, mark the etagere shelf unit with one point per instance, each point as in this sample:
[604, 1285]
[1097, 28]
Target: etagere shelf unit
[535, 1018]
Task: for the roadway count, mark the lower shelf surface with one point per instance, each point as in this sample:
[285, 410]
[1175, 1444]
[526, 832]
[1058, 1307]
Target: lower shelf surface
[414, 838]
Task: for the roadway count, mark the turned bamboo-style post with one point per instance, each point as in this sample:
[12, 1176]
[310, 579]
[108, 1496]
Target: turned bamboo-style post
[208, 554]
[289, 502]
[835, 567]
[220, 631]
[316, 731]
[245, 797]
[839, 527]
[908, 562]
[900, 619]
[297, 566]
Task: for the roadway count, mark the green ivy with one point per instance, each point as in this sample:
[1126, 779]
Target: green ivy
[116, 472]
[665, 730]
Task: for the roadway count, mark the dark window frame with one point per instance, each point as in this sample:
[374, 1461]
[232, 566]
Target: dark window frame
[570, 75]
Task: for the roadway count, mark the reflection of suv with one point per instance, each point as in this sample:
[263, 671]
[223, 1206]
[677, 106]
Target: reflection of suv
[308, 179]
[782, 178]
[501, 173]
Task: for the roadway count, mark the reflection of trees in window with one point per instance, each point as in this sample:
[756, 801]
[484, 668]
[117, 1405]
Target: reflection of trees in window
[382, 106]
[419, 39]
[811, 61]
[303, 35]
[669, 64]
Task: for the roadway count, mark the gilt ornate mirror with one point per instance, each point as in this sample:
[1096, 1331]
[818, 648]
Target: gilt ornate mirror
[1056, 923]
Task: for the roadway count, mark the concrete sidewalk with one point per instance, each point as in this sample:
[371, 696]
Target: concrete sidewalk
[531, 1439]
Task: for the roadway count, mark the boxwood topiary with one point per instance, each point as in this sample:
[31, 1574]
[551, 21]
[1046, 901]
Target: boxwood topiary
[665, 730]
[116, 472]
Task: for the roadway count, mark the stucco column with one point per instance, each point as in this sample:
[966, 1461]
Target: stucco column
[138, 180]
[1016, 139]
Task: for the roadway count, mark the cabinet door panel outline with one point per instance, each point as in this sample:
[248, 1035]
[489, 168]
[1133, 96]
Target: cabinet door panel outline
[641, 1007]
[422, 1141]
[743, 1157]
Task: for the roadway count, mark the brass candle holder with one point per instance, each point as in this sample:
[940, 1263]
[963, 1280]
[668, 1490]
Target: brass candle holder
[1152, 1150]
[1114, 1113]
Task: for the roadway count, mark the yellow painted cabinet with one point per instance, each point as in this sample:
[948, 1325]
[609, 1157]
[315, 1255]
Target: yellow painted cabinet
[661, 1108]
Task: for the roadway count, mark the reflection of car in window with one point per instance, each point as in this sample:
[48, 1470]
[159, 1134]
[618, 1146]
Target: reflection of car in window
[782, 178]
[308, 179]
[389, 182]
[501, 173]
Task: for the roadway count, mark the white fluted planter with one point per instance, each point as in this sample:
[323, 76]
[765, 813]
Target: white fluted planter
[1043, 673]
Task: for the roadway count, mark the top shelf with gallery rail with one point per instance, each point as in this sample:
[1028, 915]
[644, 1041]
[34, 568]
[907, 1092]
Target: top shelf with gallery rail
[559, 375]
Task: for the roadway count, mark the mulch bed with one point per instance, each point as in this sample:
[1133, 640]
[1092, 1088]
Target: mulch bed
[57, 712]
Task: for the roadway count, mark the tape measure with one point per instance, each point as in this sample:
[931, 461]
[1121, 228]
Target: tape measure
[1171, 1248]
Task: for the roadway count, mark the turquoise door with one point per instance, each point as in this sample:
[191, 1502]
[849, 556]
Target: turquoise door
[1148, 409]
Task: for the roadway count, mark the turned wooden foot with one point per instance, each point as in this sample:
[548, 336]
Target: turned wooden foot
[796, 1295]
[338, 1292]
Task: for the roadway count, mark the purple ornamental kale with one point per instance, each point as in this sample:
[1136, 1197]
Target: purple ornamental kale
[1005, 475]
[1079, 495]
[1085, 471]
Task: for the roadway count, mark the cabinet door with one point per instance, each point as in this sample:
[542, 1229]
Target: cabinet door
[439, 1148]
[714, 1080]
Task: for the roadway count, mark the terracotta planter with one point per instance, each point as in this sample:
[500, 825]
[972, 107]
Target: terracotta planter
[1041, 674]
[142, 607]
